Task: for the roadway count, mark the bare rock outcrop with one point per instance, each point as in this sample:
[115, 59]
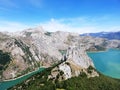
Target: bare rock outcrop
[35, 47]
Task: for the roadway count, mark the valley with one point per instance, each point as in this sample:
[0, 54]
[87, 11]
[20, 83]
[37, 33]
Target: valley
[34, 48]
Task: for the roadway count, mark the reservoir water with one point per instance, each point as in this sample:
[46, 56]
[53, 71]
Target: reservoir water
[107, 62]
[6, 84]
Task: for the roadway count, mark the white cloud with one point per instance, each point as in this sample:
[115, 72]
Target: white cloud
[78, 25]
[72, 26]
[12, 26]
[81, 25]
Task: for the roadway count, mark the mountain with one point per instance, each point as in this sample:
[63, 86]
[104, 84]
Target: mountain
[62, 54]
[32, 48]
[108, 35]
[26, 51]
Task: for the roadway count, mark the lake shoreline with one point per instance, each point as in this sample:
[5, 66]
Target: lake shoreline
[21, 75]
[104, 60]
[103, 50]
[96, 51]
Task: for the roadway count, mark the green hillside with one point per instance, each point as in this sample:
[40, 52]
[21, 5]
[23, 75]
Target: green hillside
[40, 81]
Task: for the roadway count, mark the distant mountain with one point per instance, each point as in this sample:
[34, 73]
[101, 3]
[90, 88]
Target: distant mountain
[108, 35]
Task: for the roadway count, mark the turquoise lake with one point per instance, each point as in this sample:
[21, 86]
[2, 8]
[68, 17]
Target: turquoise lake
[7, 84]
[107, 62]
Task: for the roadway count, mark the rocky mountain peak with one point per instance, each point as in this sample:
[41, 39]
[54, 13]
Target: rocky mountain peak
[35, 47]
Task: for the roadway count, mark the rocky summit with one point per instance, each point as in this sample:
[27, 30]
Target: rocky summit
[26, 51]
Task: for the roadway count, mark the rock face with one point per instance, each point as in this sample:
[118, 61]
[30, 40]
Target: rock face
[76, 61]
[66, 69]
[32, 48]
[78, 56]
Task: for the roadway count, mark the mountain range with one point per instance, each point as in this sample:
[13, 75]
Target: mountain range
[108, 35]
[25, 51]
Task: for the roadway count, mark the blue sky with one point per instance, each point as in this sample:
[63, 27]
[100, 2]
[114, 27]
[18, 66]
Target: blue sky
[64, 15]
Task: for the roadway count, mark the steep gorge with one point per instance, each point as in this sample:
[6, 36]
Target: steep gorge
[33, 48]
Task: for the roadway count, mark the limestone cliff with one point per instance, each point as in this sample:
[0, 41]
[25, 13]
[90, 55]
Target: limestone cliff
[32, 48]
